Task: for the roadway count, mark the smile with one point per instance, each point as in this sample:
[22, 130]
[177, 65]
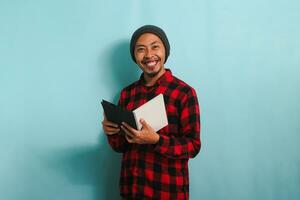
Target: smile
[150, 63]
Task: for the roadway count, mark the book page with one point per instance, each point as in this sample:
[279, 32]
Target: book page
[153, 112]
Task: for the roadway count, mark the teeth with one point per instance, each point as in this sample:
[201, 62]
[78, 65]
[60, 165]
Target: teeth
[151, 64]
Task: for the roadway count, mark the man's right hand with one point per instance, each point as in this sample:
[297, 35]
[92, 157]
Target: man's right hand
[109, 128]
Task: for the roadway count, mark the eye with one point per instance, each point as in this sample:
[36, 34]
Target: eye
[155, 46]
[140, 49]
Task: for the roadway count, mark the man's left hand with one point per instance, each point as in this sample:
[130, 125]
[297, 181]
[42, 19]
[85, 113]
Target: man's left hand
[146, 135]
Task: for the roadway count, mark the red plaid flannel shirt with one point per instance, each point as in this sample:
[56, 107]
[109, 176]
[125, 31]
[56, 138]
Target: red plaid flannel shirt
[160, 171]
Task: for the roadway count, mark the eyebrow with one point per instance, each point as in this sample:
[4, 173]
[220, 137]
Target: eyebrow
[152, 43]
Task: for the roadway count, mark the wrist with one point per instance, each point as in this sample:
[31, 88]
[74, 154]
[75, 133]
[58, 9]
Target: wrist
[156, 138]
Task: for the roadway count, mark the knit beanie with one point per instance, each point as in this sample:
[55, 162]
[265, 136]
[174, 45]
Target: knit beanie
[149, 29]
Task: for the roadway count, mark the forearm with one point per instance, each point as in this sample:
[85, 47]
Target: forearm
[178, 147]
[186, 144]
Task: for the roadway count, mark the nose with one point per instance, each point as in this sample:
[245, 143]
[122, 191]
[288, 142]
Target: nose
[148, 53]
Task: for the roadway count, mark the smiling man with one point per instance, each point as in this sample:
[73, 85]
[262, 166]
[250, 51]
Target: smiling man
[155, 164]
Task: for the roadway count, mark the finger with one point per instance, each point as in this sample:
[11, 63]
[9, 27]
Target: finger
[110, 132]
[144, 123]
[129, 139]
[132, 130]
[127, 131]
[132, 135]
[111, 129]
[109, 123]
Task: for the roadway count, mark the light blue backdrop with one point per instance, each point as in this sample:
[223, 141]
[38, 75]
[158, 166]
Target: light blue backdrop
[59, 58]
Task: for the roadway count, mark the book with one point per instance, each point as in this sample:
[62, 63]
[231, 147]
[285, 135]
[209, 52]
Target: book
[117, 114]
[153, 112]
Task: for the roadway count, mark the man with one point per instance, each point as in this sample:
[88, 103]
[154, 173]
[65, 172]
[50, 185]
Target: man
[155, 164]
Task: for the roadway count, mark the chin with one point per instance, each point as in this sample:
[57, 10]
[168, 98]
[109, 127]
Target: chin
[153, 72]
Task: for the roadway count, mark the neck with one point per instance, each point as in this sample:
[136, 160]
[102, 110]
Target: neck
[151, 80]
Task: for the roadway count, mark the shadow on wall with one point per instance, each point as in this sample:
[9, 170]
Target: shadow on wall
[98, 166]
[121, 70]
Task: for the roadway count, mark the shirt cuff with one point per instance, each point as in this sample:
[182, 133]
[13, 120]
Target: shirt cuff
[162, 144]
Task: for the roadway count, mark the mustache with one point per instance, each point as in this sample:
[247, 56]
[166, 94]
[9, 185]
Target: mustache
[150, 59]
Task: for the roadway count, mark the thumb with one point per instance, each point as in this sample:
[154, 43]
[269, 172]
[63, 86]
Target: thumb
[144, 123]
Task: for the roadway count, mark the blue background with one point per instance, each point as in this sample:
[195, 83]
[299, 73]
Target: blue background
[59, 58]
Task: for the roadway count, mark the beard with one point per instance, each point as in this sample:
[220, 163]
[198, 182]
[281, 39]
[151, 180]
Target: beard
[153, 74]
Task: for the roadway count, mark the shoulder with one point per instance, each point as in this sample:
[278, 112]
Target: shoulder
[127, 91]
[129, 87]
[184, 94]
[182, 87]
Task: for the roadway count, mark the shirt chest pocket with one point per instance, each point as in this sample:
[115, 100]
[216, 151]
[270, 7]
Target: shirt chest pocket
[172, 108]
[173, 120]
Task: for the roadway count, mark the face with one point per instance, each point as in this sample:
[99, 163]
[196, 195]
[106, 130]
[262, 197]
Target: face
[149, 54]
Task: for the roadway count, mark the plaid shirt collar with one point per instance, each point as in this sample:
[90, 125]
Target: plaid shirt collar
[166, 78]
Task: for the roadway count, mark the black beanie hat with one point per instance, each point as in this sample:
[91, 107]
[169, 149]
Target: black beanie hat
[149, 29]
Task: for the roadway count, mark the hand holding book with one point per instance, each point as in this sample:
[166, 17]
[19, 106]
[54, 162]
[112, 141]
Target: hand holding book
[109, 127]
[153, 112]
[145, 136]
[117, 114]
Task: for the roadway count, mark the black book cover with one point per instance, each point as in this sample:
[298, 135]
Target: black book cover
[117, 114]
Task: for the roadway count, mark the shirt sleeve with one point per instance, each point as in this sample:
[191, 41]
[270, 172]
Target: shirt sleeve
[118, 141]
[188, 145]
